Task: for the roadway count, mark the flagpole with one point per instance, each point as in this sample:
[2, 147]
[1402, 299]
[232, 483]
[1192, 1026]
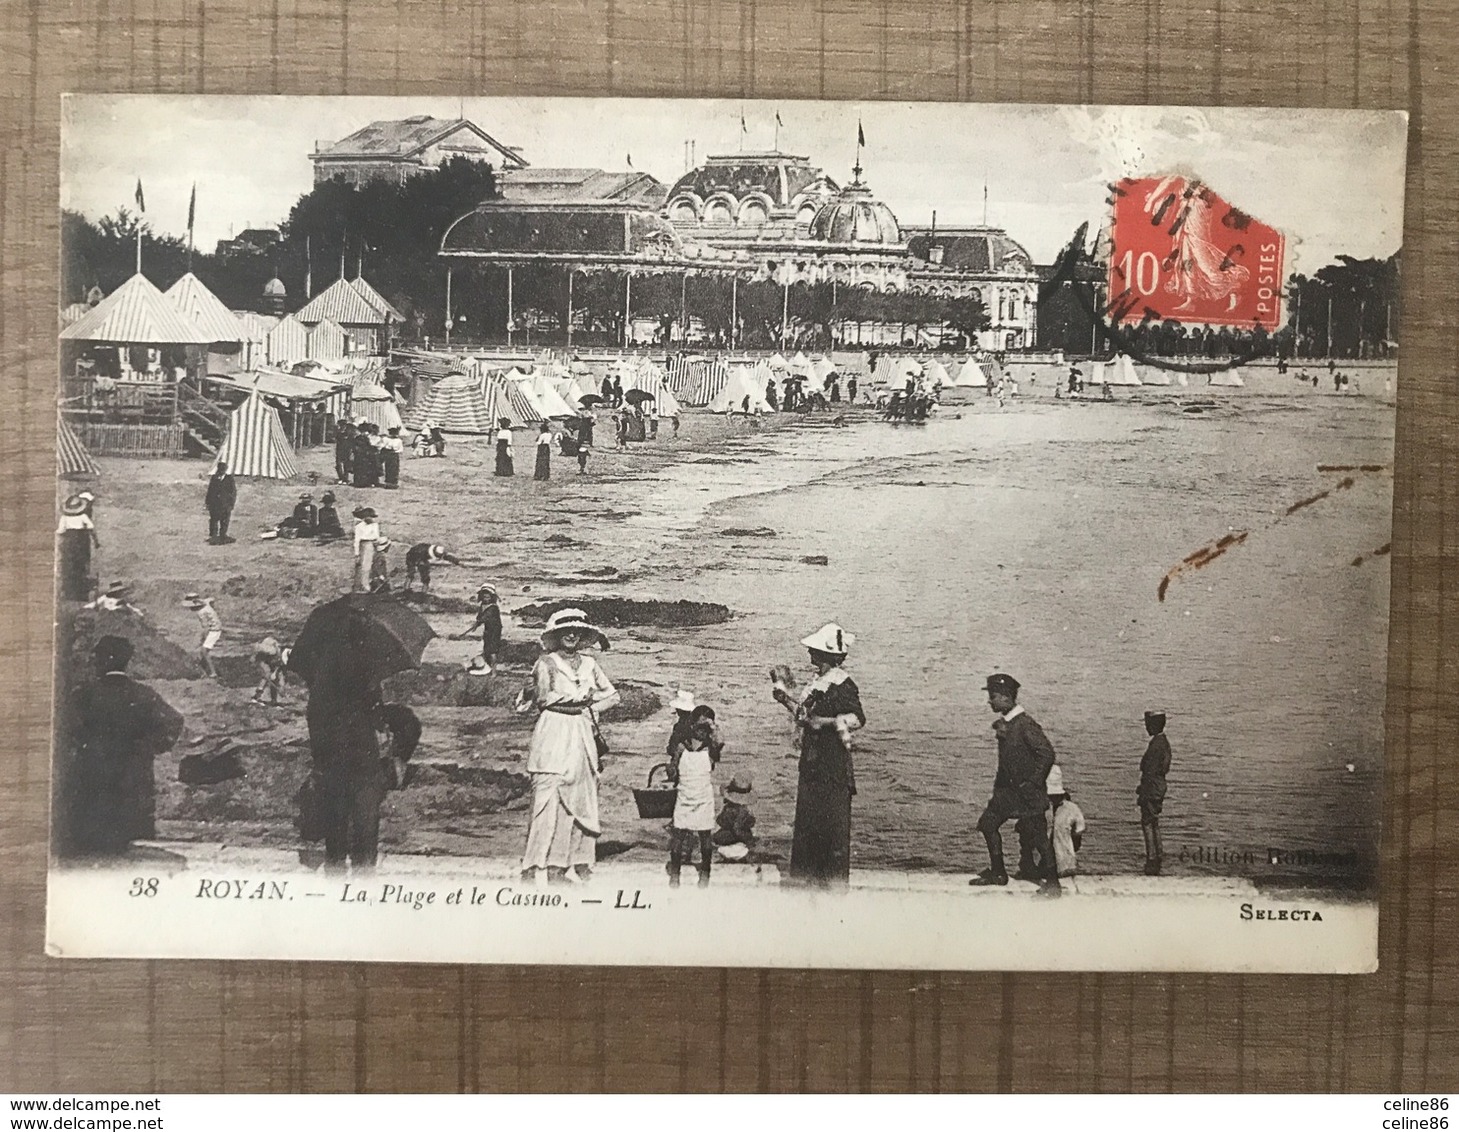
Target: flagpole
[139, 249]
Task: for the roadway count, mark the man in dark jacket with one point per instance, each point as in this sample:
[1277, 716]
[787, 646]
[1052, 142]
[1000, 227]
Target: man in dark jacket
[344, 451]
[115, 728]
[347, 778]
[1025, 758]
[222, 495]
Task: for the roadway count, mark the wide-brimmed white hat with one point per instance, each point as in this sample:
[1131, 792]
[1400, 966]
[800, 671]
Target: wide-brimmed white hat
[1056, 780]
[565, 619]
[684, 700]
[831, 639]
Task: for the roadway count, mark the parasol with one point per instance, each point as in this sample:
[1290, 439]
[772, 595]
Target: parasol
[638, 396]
[373, 635]
[588, 400]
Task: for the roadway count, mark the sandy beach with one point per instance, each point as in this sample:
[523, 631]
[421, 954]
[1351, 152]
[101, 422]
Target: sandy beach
[1031, 539]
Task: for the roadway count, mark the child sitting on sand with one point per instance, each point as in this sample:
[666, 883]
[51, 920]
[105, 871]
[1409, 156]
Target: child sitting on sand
[735, 837]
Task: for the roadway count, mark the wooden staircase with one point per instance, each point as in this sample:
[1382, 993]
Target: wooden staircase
[204, 421]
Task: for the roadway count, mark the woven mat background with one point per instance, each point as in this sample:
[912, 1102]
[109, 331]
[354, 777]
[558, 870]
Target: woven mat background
[98, 1026]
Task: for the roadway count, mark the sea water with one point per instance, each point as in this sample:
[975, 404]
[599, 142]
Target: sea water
[1033, 541]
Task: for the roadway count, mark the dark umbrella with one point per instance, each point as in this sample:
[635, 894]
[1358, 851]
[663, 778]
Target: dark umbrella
[375, 634]
[638, 396]
[588, 400]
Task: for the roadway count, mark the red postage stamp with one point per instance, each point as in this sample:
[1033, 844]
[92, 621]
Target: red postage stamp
[1180, 252]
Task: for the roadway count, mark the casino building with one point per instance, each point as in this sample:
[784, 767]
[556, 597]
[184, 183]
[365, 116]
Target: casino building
[750, 217]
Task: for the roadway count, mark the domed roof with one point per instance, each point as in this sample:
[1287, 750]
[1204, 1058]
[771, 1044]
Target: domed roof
[984, 250]
[780, 177]
[274, 289]
[855, 217]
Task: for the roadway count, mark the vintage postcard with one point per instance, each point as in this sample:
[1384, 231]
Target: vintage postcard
[681, 532]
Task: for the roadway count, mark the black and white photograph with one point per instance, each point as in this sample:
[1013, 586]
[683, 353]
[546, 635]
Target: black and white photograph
[734, 533]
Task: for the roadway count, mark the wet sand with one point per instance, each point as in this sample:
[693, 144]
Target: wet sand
[1031, 539]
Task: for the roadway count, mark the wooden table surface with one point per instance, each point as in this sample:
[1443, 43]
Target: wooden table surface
[101, 1026]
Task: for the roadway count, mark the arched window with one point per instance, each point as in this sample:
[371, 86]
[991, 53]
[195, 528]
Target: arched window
[682, 212]
[805, 215]
[718, 212]
[753, 213]
[1013, 306]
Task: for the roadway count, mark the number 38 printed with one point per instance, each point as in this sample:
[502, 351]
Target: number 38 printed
[143, 886]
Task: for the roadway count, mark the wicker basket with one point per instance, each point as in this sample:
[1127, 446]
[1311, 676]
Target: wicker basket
[656, 801]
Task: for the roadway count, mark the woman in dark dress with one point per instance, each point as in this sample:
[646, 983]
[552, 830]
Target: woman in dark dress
[544, 452]
[504, 448]
[826, 711]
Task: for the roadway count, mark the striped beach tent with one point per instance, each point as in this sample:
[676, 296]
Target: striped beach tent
[191, 296]
[456, 404]
[552, 404]
[72, 458]
[375, 404]
[287, 342]
[522, 409]
[256, 444]
[327, 342]
[136, 313]
[651, 379]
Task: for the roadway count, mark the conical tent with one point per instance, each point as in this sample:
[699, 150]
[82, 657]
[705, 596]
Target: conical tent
[972, 375]
[191, 296]
[287, 342]
[1153, 376]
[935, 373]
[455, 404]
[72, 458]
[256, 444]
[375, 404]
[552, 403]
[137, 313]
[1121, 371]
[800, 364]
[1228, 377]
[742, 382]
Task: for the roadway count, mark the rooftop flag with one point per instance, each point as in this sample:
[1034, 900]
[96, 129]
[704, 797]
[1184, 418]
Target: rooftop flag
[141, 200]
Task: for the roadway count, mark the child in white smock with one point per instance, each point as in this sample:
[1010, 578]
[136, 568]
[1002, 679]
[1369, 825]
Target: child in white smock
[691, 765]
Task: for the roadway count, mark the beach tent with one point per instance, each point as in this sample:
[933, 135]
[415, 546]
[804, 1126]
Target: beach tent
[137, 313]
[1121, 371]
[72, 313]
[778, 362]
[72, 458]
[327, 342]
[1153, 376]
[822, 370]
[740, 383]
[287, 342]
[651, 380]
[191, 296]
[375, 404]
[800, 364]
[509, 400]
[972, 375]
[457, 404]
[936, 374]
[256, 444]
[1228, 377]
[553, 404]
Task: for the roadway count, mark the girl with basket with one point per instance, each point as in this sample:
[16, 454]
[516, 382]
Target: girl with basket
[568, 688]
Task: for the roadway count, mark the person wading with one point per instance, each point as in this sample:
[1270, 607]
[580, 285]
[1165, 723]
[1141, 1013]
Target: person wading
[826, 711]
[1150, 794]
[568, 688]
[1025, 757]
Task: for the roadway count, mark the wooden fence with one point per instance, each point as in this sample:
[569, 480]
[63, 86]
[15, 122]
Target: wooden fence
[130, 439]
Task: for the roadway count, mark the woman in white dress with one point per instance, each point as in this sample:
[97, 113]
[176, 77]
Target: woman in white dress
[569, 688]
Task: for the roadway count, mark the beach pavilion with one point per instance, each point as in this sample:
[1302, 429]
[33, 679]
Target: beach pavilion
[131, 370]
